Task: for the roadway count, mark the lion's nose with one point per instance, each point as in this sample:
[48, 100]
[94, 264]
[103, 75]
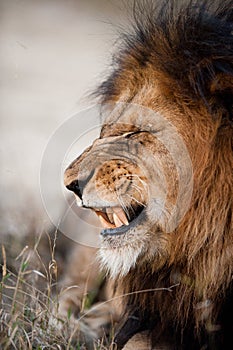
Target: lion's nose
[78, 184]
[77, 187]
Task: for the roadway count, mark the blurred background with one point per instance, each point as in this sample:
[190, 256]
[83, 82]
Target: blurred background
[53, 52]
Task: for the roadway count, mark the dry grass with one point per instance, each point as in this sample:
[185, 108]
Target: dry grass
[29, 297]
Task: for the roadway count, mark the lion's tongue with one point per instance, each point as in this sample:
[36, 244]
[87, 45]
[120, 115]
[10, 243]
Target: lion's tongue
[118, 218]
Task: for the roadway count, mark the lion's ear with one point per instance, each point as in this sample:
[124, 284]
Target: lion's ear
[221, 89]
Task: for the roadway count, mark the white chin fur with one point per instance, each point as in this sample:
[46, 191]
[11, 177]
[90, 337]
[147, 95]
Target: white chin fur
[118, 261]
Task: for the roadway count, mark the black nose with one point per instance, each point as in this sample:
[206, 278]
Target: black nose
[77, 187]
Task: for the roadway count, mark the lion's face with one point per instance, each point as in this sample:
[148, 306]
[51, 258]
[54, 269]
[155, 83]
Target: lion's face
[137, 177]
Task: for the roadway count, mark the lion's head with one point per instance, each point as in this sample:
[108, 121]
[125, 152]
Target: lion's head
[160, 175]
[138, 179]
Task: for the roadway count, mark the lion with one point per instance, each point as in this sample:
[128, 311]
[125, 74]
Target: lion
[160, 176]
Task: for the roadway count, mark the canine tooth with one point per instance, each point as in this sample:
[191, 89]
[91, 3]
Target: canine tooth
[104, 223]
[117, 221]
[121, 215]
[110, 215]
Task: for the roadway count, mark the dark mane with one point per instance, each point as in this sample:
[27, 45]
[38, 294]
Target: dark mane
[175, 284]
[184, 49]
[191, 43]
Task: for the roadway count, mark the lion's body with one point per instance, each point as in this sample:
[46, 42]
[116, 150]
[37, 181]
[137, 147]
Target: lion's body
[175, 270]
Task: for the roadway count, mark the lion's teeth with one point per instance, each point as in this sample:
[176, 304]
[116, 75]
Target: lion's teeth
[105, 223]
[117, 221]
[112, 218]
[121, 215]
[109, 215]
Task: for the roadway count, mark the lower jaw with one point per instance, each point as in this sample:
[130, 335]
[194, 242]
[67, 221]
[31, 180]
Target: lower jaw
[114, 232]
[124, 229]
[118, 259]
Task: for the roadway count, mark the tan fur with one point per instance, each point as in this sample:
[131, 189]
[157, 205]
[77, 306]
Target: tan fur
[190, 266]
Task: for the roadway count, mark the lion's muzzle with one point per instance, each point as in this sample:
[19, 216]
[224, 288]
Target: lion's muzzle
[107, 179]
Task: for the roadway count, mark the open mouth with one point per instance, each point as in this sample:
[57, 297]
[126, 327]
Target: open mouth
[115, 220]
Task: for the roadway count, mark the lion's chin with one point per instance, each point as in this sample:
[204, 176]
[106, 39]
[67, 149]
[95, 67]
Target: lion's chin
[118, 261]
[122, 246]
[121, 253]
[126, 242]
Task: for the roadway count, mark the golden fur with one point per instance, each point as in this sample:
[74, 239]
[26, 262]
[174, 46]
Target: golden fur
[178, 63]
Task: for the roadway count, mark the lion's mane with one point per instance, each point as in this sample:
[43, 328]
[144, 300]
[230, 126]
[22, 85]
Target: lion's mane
[191, 47]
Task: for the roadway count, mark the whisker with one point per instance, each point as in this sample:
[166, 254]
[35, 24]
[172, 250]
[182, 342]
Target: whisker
[139, 190]
[121, 201]
[140, 203]
[145, 185]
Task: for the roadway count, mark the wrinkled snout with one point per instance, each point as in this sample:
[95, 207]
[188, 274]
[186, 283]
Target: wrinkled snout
[104, 178]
